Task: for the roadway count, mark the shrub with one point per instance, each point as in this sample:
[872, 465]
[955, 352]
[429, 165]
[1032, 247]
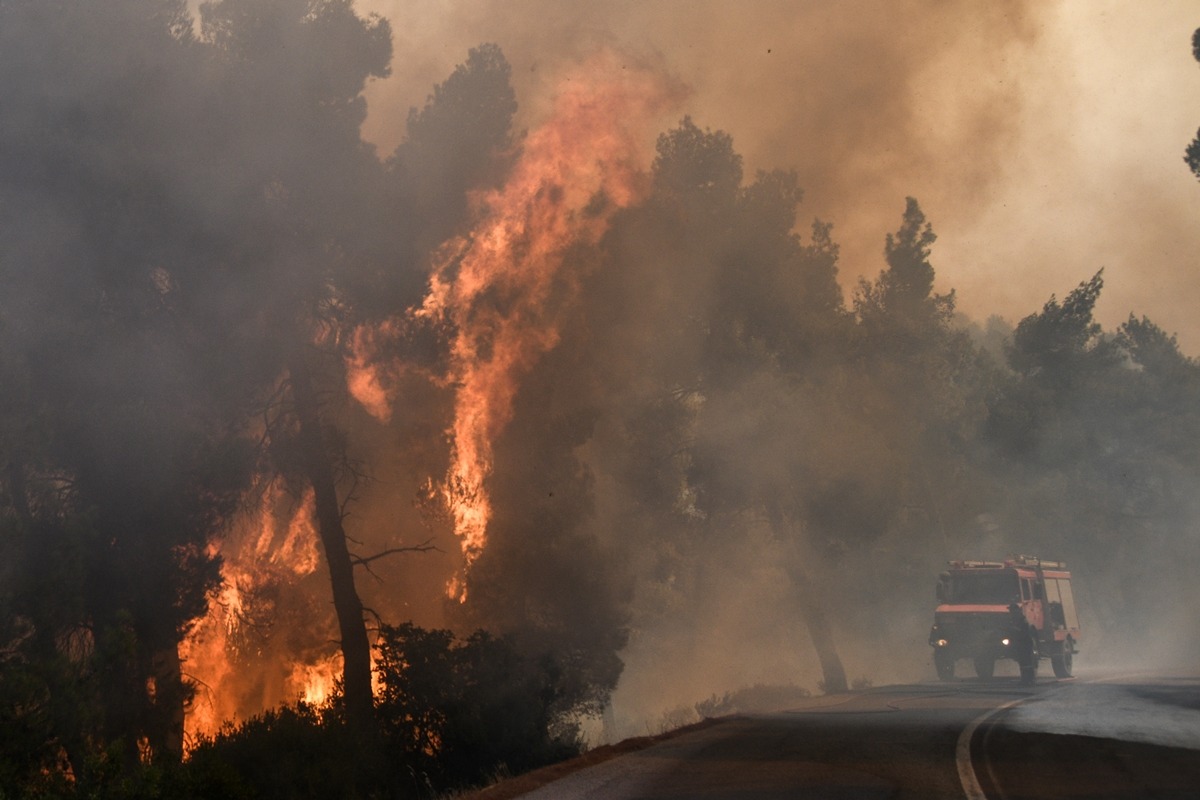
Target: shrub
[291, 752]
[463, 710]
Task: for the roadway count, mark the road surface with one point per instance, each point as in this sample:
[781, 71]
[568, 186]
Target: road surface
[1097, 736]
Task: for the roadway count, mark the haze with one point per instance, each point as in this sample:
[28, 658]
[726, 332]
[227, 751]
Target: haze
[1043, 139]
[657, 355]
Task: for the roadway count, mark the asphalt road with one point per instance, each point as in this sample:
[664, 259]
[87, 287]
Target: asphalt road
[1095, 737]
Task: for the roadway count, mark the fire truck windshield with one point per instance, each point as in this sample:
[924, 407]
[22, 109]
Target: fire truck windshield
[997, 588]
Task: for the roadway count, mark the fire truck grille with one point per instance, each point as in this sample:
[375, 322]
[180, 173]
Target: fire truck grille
[971, 629]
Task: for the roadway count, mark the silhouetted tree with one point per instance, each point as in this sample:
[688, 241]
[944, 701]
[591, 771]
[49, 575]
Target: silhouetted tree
[1058, 355]
[545, 580]
[747, 311]
[1091, 436]
[925, 386]
[900, 305]
[456, 142]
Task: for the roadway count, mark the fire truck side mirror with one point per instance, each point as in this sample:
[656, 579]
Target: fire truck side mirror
[940, 591]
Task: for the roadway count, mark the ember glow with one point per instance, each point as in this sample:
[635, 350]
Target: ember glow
[505, 287]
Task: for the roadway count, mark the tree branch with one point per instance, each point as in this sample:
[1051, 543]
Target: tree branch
[365, 561]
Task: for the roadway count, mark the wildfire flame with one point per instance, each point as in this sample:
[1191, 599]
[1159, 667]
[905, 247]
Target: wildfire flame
[317, 681]
[502, 291]
[369, 381]
[275, 545]
[505, 287]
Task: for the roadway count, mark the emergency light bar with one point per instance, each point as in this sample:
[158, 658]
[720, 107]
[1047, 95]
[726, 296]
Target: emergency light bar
[1015, 561]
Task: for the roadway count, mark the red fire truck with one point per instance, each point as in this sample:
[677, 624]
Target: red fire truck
[1021, 608]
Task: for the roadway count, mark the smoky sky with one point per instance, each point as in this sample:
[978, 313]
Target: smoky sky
[1044, 140]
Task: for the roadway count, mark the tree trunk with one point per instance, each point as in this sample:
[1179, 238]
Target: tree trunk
[170, 696]
[821, 633]
[834, 674]
[356, 648]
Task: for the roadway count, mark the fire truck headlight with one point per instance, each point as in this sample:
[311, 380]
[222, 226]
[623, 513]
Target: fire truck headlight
[1004, 641]
[942, 643]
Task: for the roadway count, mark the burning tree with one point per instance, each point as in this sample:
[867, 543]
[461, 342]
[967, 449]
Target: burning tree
[300, 234]
[195, 249]
[350, 327]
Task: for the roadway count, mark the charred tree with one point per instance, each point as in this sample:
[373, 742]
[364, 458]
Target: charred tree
[318, 472]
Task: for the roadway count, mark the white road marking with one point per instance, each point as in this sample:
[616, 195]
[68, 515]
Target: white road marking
[962, 752]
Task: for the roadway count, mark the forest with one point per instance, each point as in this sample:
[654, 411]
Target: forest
[489, 429]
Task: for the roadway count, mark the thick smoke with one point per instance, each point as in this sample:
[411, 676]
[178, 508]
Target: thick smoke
[731, 462]
[1016, 124]
[863, 99]
[1044, 138]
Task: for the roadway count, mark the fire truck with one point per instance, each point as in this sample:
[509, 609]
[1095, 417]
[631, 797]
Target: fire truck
[1021, 609]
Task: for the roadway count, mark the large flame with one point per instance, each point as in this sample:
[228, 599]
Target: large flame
[502, 291]
[231, 655]
[505, 288]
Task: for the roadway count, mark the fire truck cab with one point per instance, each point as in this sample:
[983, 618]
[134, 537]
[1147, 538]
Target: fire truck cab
[1021, 609]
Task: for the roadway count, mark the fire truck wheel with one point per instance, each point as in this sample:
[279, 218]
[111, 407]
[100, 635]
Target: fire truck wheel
[1029, 667]
[945, 666]
[1028, 656]
[1063, 662]
[1028, 675]
[985, 666]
